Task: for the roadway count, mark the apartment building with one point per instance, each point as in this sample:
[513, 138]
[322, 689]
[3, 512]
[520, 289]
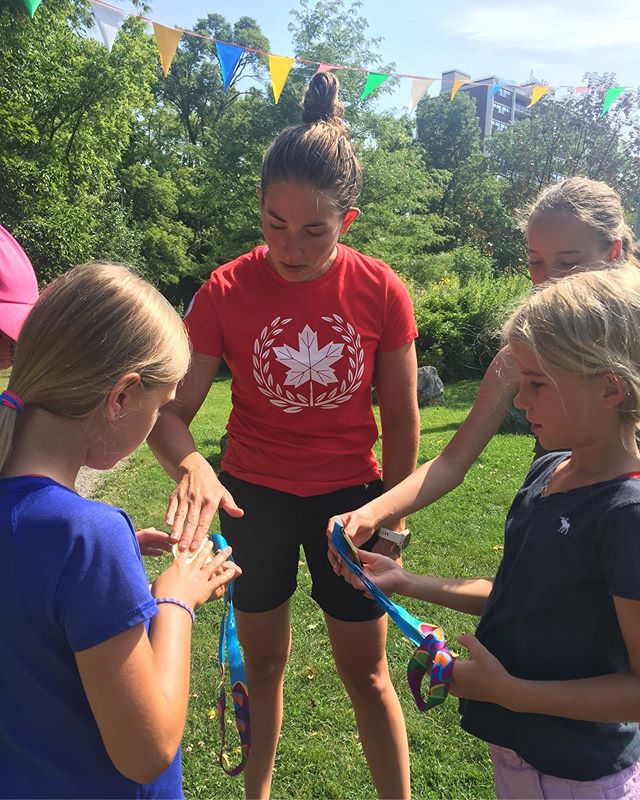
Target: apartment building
[498, 103]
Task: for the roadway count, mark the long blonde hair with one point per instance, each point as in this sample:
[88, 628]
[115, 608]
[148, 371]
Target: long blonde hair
[89, 327]
[586, 324]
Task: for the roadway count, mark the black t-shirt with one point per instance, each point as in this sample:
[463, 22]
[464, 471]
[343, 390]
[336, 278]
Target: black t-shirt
[551, 616]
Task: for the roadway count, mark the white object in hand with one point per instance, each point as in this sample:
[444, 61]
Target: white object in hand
[191, 556]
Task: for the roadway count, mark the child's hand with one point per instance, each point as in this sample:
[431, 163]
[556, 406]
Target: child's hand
[198, 581]
[153, 542]
[481, 676]
[356, 524]
[386, 573]
[358, 527]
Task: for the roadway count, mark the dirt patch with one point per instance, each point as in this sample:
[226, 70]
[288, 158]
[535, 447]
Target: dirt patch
[89, 479]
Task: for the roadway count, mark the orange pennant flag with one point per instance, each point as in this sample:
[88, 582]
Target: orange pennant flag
[457, 84]
[538, 92]
[279, 67]
[168, 40]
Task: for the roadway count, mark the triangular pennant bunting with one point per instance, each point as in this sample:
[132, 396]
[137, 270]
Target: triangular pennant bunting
[109, 21]
[229, 55]
[457, 85]
[419, 87]
[374, 81]
[537, 93]
[32, 6]
[168, 40]
[611, 95]
[279, 67]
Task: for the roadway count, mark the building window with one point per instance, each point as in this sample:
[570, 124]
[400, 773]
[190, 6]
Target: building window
[505, 93]
[502, 109]
[496, 125]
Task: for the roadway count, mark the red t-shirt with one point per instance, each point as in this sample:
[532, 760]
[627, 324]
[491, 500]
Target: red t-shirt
[302, 359]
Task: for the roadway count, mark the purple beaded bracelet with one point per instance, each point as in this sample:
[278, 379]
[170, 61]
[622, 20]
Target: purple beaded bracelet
[176, 602]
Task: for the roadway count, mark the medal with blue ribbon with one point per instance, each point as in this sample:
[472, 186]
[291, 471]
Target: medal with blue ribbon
[229, 640]
[431, 656]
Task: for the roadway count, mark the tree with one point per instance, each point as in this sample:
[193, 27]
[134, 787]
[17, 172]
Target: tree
[448, 130]
[570, 136]
[66, 110]
[472, 196]
[398, 224]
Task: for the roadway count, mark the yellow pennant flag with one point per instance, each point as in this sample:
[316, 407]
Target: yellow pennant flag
[538, 92]
[168, 40]
[279, 67]
[457, 84]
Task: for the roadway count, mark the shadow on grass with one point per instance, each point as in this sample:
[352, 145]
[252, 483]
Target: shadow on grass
[451, 426]
[214, 459]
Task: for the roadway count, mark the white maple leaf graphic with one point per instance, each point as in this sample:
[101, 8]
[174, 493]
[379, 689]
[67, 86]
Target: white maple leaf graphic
[308, 363]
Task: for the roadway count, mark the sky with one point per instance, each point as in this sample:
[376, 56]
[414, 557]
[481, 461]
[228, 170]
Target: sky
[557, 41]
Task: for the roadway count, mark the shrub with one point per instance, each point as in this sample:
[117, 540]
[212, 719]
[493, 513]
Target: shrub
[458, 325]
[463, 262]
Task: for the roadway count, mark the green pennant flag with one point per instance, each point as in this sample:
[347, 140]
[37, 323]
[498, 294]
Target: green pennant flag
[32, 6]
[610, 97]
[374, 80]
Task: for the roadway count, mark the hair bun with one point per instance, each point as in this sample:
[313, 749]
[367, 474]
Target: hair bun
[321, 102]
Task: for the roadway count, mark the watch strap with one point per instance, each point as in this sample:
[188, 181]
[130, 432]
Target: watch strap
[399, 538]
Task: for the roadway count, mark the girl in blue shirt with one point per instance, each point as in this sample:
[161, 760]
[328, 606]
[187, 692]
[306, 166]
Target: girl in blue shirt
[94, 673]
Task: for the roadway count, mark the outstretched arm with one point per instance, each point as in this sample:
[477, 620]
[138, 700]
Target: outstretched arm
[468, 595]
[138, 685]
[198, 494]
[396, 386]
[443, 473]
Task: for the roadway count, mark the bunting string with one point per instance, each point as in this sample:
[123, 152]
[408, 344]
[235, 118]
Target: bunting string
[110, 19]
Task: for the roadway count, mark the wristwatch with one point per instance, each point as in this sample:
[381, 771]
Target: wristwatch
[399, 538]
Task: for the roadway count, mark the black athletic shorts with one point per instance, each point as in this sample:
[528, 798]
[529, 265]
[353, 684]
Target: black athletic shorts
[266, 544]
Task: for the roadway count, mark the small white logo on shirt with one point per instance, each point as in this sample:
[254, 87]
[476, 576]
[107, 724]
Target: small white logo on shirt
[564, 526]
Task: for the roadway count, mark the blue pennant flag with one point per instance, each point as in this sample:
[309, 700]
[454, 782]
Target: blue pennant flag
[229, 56]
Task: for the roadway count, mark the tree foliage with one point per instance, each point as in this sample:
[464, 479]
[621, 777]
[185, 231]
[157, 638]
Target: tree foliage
[101, 156]
[569, 136]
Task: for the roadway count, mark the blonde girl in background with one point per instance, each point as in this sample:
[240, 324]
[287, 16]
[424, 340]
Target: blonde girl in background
[94, 673]
[575, 224]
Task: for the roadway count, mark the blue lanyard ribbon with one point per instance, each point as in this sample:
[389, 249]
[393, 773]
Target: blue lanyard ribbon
[432, 655]
[239, 693]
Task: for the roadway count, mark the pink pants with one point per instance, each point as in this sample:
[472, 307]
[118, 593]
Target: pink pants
[517, 780]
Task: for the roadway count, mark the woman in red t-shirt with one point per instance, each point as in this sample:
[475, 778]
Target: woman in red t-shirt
[304, 324]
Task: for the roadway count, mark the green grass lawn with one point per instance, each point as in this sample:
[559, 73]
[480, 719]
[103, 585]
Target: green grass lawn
[319, 755]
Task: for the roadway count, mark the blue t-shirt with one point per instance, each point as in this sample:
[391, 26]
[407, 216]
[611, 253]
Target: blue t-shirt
[71, 577]
[551, 616]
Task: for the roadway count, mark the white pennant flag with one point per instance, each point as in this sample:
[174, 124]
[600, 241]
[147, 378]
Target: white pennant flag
[109, 21]
[419, 87]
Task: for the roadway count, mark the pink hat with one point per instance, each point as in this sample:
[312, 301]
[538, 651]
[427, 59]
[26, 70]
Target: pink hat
[18, 285]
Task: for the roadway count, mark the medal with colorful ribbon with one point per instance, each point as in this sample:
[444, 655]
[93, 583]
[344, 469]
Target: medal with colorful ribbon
[229, 641]
[432, 655]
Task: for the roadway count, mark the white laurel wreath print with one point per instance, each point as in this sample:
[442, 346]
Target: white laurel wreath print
[292, 403]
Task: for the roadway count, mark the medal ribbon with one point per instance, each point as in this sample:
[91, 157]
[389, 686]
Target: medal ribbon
[431, 656]
[239, 693]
